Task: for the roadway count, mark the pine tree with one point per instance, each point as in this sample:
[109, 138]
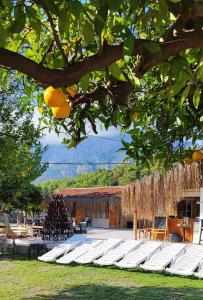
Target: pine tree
[56, 224]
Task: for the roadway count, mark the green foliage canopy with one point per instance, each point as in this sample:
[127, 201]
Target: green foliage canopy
[122, 56]
[20, 151]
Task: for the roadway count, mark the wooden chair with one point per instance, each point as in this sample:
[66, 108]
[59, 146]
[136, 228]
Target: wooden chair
[160, 228]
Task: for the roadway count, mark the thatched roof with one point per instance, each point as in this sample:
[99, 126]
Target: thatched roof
[159, 194]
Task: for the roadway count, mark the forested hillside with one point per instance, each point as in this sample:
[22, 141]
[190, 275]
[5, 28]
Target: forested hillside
[120, 175]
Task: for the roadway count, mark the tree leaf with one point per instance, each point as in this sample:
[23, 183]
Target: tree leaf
[200, 73]
[31, 15]
[114, 5]
[116, 72]
[129, 45]
[179, 83]
[76, 8]
[63, 21]
[196, 97]
[185, 93]
[133, 79]
[174, 1]
[88, 32]
[152, 47]
[84, 82]
[100, 19]
[20, 18]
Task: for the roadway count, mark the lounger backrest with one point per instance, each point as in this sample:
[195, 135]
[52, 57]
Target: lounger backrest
[123, 248]
[105, 246]
[144, 250]
[75, 239]
[109, 243]
[166, 253]
[86, 246]
[190, 259]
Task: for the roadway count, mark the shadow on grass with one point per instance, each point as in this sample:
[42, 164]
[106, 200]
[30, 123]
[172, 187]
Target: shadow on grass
[107, 292]
[16, 257]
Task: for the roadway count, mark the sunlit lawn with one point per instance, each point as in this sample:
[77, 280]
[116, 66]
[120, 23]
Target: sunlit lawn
[21, 278]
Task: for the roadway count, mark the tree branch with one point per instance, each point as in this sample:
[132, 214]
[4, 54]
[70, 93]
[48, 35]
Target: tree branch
[183, 41]
[118, 92]
[100, 61]
[55, 33]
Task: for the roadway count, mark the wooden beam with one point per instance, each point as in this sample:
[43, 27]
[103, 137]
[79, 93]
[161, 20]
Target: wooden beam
[135, 224]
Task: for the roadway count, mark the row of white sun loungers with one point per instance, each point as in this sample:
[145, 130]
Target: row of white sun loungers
[174, 258]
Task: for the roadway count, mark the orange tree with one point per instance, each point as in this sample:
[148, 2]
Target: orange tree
[119, 58]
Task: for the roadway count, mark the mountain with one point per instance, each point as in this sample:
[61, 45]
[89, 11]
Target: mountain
[95, 149]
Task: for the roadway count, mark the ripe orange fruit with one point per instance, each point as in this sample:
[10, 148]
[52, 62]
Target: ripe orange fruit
[54, 97]
[197, 155]
[61, 112]
[188, 160]
[71, 91]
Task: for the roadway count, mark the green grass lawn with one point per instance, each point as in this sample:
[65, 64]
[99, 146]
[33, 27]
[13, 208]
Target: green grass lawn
[23, 278]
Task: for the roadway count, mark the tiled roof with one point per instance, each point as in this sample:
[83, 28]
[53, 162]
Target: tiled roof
[96, 191]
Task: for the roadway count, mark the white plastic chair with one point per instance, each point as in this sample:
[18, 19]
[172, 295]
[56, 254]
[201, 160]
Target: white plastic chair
[98, 251]
[116, 254]
[186, 264]
[69, 257]
[163, 258]
[136, 257]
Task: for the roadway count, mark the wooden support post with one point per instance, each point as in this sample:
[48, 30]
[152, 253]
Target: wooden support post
[135, 224]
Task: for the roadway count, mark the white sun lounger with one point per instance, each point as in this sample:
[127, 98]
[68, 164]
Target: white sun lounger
[136, 257]
[163, 258]
[188, 262]
[98, 251]
[69, 257]
[59, 250]
[199, 273]
[116, 254]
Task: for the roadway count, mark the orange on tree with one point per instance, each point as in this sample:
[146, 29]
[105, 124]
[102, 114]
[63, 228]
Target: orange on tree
[197, 155]
[54, 97]
[188, 160]
[71, 91]
[61, 112]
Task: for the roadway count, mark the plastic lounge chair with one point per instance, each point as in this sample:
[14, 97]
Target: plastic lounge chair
[188, 262]
[136, 257]
[116, 254]
[57, 251]
[199, 273]
[98, 251]
[69, 257]
[163, 258]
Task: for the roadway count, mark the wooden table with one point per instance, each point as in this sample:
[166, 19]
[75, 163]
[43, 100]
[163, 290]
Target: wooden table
[173, 227]
[184, 227]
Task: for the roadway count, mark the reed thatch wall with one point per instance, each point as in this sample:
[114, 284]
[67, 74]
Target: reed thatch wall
[158, 195]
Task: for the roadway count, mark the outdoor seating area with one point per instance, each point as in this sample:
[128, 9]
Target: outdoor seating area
[154, 256]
